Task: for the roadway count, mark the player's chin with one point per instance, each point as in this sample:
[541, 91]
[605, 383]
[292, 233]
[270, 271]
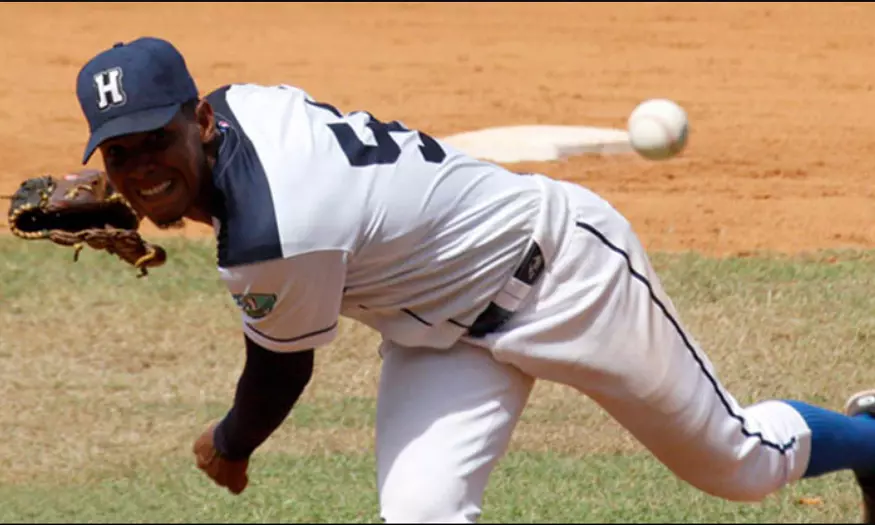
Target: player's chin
[170, 224]
[169, 214]
[167, 220]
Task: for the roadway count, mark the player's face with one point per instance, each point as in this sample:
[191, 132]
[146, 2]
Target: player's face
[159, 171]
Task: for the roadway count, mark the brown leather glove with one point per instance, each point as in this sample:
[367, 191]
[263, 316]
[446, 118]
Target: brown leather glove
[224, 472]
[82, 209]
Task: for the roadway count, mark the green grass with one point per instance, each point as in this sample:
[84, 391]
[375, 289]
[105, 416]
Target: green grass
[527, 487]
[101, 404]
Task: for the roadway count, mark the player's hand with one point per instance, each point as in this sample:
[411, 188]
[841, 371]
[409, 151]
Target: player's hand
[225, 473]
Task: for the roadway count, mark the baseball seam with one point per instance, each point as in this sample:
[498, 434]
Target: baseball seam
[673, 141]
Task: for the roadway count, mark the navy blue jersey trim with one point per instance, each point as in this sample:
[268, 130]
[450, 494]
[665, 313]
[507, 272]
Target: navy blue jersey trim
[780, 447]
[413, 315]
[457, 323]
[292, 339]
[242, 202]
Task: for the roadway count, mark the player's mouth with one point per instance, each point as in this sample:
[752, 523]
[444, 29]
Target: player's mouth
[156, 191]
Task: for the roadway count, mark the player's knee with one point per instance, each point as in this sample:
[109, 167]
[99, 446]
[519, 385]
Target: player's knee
[737, 490]
[428, 501]
[736, 481]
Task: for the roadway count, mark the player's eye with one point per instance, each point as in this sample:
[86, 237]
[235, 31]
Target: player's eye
[159, 139]
[115, 156]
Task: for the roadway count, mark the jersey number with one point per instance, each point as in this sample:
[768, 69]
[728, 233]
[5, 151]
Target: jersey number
[387, 150]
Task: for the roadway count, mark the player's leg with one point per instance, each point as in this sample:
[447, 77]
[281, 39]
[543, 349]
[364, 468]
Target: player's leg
[603, 324]
[444, 418]
[862, 404]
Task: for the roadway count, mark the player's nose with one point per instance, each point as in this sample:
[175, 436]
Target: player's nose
[144, 169]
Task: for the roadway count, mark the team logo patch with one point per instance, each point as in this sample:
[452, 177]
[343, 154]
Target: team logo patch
[110, 92]
[255, 305]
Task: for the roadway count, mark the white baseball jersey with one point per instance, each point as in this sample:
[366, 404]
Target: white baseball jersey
[320, 214]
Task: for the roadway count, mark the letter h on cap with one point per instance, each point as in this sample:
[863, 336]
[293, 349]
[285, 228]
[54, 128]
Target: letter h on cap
[110, 92]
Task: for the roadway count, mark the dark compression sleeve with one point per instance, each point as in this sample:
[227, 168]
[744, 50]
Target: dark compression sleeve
[268, 388]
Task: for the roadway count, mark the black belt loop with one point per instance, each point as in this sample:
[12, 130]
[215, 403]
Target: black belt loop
[494, 316]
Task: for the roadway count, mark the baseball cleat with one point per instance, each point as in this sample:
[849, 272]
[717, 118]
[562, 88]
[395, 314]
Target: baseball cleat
[864, 403]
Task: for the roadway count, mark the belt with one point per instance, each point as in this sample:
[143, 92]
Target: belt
[508, 300]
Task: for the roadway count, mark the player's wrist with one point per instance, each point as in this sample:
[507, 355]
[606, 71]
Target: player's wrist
[225, 445]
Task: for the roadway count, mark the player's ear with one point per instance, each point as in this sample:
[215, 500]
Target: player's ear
[206, 120]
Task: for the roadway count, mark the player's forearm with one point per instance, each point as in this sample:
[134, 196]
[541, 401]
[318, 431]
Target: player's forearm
[268, 388]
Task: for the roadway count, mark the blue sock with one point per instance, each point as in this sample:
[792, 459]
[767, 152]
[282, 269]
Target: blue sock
[838, 442]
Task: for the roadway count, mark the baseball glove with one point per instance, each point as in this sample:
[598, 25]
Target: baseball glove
[82, 209]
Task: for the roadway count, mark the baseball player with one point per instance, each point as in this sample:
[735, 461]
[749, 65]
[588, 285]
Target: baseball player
[479, 280]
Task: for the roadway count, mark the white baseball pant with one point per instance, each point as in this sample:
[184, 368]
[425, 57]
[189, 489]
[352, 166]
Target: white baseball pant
[599, 321]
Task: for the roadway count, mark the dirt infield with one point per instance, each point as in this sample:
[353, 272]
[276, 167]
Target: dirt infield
[779, 96]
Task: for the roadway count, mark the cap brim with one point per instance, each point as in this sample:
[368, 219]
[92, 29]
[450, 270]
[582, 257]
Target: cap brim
[139, 122]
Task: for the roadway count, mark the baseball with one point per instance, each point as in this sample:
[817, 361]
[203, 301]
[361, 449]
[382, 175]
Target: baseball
[658, 129]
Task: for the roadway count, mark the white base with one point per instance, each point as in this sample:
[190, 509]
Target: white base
[540, 142]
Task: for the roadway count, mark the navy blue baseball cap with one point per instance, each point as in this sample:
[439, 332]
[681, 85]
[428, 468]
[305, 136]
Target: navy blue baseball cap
[132, 88]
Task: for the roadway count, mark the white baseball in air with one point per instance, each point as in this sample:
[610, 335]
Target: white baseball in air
[658, 129]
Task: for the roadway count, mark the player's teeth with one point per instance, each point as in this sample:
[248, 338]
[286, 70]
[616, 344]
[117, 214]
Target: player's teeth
[155, 190]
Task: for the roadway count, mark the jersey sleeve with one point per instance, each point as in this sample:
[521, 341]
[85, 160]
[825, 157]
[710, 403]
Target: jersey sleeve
[290, 304]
